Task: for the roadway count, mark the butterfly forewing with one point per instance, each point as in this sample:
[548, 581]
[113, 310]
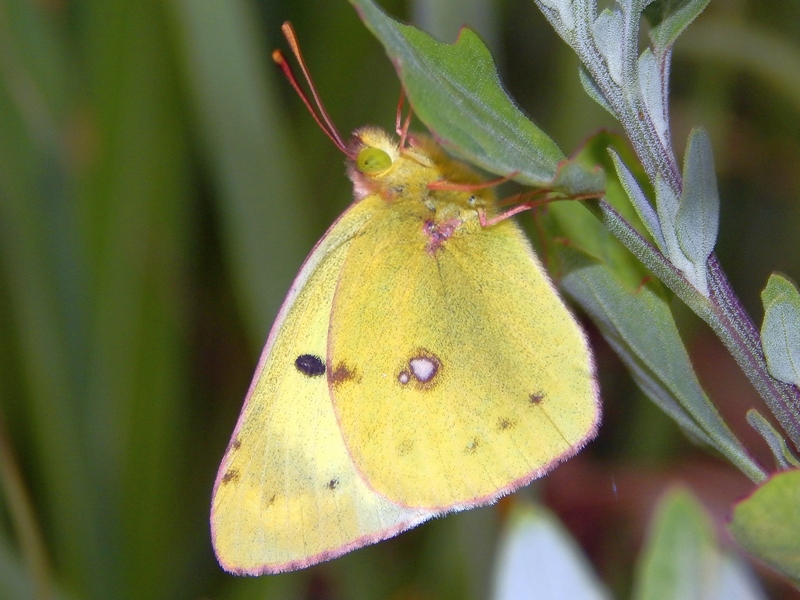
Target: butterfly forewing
[287, 494]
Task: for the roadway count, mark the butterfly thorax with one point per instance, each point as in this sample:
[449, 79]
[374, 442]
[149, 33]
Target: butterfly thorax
[419, 179]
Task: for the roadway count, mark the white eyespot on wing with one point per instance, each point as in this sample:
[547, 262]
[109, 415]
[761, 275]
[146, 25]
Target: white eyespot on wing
[420, 370]
[423, 368]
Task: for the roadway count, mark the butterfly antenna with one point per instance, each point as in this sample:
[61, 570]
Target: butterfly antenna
[323, 119]
[402, 127]
[399, 117]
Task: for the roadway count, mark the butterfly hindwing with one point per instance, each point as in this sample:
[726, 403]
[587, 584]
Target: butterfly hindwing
[287, 494]
[456, 371]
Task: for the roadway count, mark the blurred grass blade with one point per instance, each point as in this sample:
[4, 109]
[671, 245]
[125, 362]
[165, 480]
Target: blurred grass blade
[678, 553]
[736, 581]
[682, 560]
[247, 149]
[668, 19]
[537, 559]
[15, 579]
[757, 51]
[444, 18]
[44, 260]
[27, 531]
[136, 196]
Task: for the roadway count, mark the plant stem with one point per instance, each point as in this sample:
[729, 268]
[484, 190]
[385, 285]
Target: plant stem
[739, 334]
[721, 310]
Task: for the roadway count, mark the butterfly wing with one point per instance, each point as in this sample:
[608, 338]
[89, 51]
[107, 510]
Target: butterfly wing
[287, 494]
[457, 372]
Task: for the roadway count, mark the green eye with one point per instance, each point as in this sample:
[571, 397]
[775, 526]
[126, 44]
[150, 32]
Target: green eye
[373, 160]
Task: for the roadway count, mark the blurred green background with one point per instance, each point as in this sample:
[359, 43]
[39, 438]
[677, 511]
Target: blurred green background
[160, 185]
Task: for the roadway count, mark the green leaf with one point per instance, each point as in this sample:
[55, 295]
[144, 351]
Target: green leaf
[578, 179]
[667, 204]
[767, 524]
[697, 219]
[652, 89]
[780, 449]
[538, 559]
[682, 559]
[780, 331]
[562, 16]
[678, 553]
[595, 93]
[571, 220]
[456, 92]
[640, 328]
[668, 19]
[608, 30]
[638, 199]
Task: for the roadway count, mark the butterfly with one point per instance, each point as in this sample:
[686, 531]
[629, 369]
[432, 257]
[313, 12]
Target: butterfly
[422, 363]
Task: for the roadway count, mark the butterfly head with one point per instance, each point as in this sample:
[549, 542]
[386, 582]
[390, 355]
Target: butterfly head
[377, 163]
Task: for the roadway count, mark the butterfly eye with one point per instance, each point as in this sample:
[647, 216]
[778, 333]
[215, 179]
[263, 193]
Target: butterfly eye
[373, 160]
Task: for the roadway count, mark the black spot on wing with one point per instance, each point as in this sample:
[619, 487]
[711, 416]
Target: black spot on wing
[341, 374]
[231, 476]
[405, 447]
[536, 398]
[310, 365]
[332, 484]
[504, 424]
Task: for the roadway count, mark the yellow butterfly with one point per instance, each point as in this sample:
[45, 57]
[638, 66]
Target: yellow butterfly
[421, 363]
